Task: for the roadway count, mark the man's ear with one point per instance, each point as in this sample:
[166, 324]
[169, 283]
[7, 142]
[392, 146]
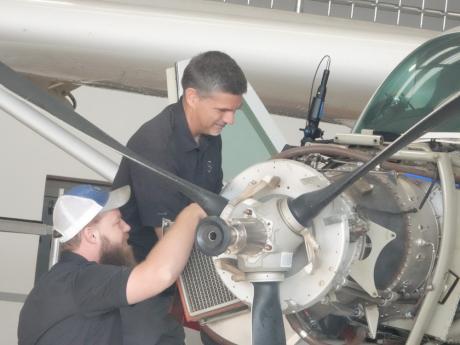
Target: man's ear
[191, 97]
[91, 234]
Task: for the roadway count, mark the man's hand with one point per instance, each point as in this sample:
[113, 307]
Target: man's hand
[167, 259]
[193, 212]
[190, 212]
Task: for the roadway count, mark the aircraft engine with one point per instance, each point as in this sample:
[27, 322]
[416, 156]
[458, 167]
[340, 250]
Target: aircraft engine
[363, 262]
[359, 237]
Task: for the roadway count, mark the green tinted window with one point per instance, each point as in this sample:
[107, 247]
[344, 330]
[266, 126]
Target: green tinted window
[418, 84]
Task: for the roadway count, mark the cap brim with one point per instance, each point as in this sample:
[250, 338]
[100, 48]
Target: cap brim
[117, 198]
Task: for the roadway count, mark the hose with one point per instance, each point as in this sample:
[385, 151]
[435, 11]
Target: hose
[335, 150]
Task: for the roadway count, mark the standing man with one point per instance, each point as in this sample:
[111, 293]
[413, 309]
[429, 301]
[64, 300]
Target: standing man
[78, 301]
[185, 140]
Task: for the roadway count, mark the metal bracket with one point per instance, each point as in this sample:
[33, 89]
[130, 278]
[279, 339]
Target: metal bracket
[229, 265]
[362, 271]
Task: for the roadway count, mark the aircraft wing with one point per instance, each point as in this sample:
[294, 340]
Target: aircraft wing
[128, 44]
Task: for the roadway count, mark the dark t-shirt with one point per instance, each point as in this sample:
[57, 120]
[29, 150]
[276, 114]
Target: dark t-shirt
[167, 142]
[76, 302]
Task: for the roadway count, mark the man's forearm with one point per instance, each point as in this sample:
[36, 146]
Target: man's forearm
[167, 259]
[172, 251]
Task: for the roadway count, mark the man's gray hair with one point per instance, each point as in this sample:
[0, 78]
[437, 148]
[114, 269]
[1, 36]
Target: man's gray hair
[214, 71]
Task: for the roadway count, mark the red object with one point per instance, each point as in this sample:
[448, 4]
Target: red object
[177, 311]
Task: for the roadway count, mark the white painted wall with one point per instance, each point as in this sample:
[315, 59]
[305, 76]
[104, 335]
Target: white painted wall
[27, 158]
[14, 258]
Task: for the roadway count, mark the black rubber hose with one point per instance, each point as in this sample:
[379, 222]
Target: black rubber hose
[340, 151]
[267, 318]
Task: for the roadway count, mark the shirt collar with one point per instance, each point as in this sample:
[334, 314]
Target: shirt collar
[184, 136]
[69, 256]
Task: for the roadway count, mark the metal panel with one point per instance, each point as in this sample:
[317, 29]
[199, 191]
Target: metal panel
[202, 288]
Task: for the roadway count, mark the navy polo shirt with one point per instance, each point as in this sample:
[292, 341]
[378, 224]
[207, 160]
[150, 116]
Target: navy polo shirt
[76, 302]
[167, 142]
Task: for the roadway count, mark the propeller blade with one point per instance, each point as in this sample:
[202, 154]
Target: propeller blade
[267, 318]
[307, 206]
[212, 203]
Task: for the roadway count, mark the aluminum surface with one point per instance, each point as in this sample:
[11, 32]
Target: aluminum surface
[76, 41]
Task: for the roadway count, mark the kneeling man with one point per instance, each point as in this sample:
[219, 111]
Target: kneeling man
[78, 300]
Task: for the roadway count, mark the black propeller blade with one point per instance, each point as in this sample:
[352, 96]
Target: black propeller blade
[306, 206]
[267, 318]
[213, 204]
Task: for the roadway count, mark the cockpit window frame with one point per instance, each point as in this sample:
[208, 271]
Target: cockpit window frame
[428, 73]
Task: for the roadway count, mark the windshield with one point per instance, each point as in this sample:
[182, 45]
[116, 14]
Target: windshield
[418, 84]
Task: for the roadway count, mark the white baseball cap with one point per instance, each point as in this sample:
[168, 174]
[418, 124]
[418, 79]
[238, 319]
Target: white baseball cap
[80, 204]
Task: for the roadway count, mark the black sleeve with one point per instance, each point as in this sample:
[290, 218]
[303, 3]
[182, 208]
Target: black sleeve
[155, 198]
[100, 288]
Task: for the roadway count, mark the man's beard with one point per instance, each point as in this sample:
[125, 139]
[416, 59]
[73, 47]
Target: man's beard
[118, 255]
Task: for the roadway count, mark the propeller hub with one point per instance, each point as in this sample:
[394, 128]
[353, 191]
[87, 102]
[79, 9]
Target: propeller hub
[213, 236]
